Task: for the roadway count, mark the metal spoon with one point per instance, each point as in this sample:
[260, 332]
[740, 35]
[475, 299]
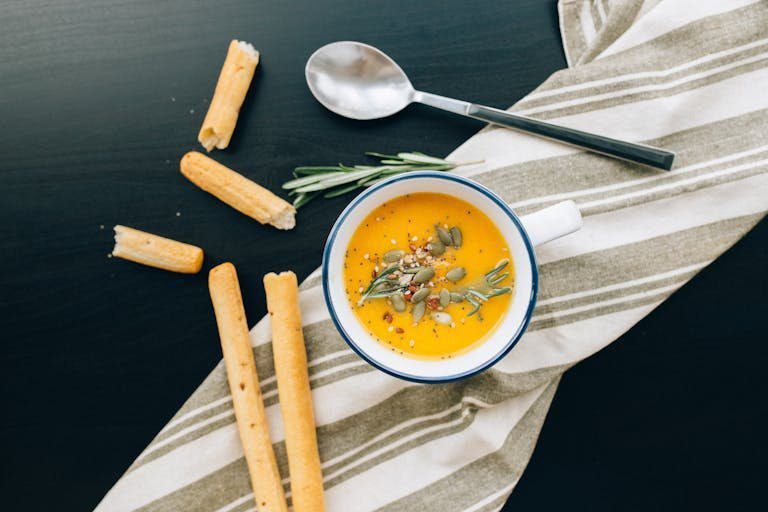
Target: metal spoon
[359, 81]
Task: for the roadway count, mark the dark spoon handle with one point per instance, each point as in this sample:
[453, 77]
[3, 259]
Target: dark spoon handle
[638, 153]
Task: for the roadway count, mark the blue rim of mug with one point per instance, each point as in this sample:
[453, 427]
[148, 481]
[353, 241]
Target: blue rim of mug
[490, 195]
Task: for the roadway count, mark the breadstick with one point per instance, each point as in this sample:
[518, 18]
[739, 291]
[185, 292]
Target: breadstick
[244, 386]
[238, 191]
[293, 390]
[156, 251]
[234, 80]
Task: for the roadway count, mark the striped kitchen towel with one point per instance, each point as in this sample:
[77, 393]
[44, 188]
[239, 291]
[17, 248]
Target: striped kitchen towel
[688, 75]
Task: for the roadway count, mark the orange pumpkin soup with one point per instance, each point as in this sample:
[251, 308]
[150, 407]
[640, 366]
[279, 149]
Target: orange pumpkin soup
[428, 275]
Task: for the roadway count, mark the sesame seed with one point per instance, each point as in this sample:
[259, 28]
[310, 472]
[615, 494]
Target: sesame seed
[394, 242]
[360, 290]
[367, 256]
[390, 328]
[414, 238]
[411, 343]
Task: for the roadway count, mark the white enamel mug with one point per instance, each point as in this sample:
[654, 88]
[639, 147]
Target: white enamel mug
[522, 234]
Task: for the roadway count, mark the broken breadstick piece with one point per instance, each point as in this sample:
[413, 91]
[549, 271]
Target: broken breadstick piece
[238, 191]
[156, 251]
[244, 387]
[234, 80]
[294, 392]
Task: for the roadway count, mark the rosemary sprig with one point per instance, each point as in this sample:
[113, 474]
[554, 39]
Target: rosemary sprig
[489, 288]
[375, 289]
[332, 181]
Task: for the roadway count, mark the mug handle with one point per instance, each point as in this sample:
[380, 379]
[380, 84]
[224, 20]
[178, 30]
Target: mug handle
[552, 222]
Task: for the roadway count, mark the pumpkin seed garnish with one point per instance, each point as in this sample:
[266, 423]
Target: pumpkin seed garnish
[456, 274]
[393, 256]
[444, 236]
[418, 311]
[398, 301]
[412, 270]
[420, 295]
[457, 297]
[445, 297]
[424, 275]
[456, 236]
[436, 248]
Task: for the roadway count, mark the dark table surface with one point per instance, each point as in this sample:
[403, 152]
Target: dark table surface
[99, 99]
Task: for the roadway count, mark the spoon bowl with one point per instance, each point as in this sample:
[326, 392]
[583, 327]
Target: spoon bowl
[358, 81]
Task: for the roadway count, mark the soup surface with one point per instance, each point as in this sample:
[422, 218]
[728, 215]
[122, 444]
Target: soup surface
[428, 275]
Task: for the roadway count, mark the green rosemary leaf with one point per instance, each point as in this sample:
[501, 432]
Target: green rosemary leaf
[338, 180]
[397, 169]
[420, 158]
[501, 265]
[315, 170]
[303, 199]
[496, 280]
[363, 181]
[340, 191]
[306, 180]
[381, 156]
[476, 305]
[477, 294]
[499, 291]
